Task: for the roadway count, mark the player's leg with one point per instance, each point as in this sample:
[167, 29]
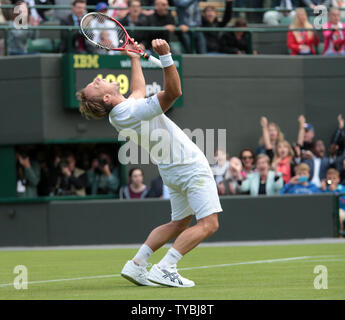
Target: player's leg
[135, 269]
[204, 201]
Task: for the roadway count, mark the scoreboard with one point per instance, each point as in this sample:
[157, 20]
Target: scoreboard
[80, 69]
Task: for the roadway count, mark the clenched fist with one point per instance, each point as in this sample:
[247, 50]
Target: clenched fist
[160, 46]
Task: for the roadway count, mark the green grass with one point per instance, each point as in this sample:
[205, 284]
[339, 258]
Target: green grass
[276, 280]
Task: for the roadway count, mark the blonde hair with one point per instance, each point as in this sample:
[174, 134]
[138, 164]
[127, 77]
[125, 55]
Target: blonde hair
[280, 136]
[92, 108]
[285, 143]
[295, 24]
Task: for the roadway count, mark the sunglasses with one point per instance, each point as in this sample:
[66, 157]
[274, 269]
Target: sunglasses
[245, 158]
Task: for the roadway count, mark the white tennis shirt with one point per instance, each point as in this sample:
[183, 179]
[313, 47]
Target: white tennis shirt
[167, 144]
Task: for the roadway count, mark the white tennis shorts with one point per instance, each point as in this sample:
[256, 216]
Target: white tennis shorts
[193, 191]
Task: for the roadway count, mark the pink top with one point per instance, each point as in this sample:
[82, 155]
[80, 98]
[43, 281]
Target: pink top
[334, 41]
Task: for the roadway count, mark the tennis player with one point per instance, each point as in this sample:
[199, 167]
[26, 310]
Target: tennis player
[185, 171]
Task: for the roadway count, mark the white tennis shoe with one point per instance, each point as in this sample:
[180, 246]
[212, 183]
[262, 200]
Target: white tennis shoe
[168, 277]
[136, 274]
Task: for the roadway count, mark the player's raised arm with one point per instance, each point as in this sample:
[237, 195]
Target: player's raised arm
[172, 84]
[138, 86]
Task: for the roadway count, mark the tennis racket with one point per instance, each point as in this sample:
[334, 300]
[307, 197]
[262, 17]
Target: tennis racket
[109, 34]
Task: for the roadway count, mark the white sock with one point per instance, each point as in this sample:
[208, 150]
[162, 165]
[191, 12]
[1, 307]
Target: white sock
[171, 258]
[142, 255]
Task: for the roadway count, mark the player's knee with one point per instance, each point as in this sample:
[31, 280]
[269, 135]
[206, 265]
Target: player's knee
[210, 225]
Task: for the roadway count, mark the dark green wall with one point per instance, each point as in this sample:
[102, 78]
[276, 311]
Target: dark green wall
[230, 92]
[122, 222]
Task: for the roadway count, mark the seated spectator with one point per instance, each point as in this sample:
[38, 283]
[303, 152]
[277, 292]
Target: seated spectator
[339, 4]
[210, 20]
[237, 42]
[264, 181]
[312, 4]
[271, 135]
[70, 180]
[103, 175]
[135, 18]
[299, 184]
[161, 18]
[136, 189]
[79, 43]
[302, 42]
[231, 185]
[273, 17]
[28, 175]
[338, 137]
[17, 36]
[283, 160]
[106, 37]
[247, 157]
[189, 16]
[221, 165]
[319, 163]
[332, 184]
[118, 13]
[158, 189]
[334, 40]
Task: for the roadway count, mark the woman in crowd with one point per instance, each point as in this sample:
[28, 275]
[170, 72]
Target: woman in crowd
[136, 189]
[264, 181]
[247, 157]
[334, 40]
[302, 42]
[271, 135]
[283, 160]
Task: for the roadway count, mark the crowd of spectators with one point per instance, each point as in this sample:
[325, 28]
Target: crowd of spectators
[188, 14]
[280, 167]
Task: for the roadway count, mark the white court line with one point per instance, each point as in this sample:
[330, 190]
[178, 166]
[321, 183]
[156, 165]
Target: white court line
[191, 268]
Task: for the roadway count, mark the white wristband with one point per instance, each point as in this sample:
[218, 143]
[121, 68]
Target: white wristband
[166, 60]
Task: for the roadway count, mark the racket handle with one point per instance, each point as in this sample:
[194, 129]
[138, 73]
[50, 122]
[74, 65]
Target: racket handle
[153, 59]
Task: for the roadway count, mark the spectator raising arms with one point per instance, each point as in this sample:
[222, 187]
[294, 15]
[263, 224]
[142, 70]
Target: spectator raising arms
[338, 137]
[302, 42]
[299, 184]
[306, 135]
[189, 16]
[332, 184]
[247, 157]
[271, 135]
[283, 160]
[136, 189]
[161, 18]
[264, 181]
[236, 42]
[210, 20]
[334, 40]
[231, 185]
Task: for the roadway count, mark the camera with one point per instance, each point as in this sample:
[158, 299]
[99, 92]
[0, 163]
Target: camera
[329, 182]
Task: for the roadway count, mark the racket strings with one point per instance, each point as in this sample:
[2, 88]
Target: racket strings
[103, 31]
